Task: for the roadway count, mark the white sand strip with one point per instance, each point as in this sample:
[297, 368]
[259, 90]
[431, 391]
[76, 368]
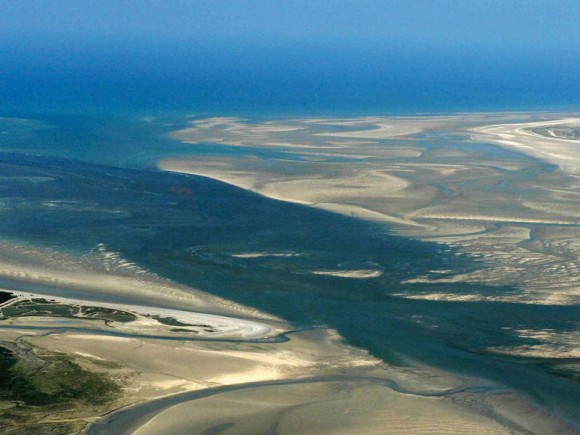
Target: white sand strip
[222, 326]
[557, 150]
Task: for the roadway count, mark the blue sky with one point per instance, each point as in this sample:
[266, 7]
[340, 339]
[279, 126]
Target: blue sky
[513, 23]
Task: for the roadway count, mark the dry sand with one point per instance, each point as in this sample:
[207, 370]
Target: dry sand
[442, 194]
[434, 194]
[557, 150]
[319, 408]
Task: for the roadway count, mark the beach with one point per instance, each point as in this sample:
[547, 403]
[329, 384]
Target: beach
[298, 269]
[420, 189]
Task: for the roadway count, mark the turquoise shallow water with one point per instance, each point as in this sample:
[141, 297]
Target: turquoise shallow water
[187, 227]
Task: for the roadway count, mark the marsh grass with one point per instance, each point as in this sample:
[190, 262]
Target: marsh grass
[51, 384]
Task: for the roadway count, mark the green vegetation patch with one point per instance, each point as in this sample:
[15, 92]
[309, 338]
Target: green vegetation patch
[170, 321]
[44, 428]
[39, 307]
[108, 314]
[57, 379]
[43, 308]
[36, 386]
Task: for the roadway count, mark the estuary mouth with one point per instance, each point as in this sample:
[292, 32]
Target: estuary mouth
[295, 217]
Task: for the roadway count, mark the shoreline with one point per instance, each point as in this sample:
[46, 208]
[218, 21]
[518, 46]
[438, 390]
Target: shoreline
[515, 404]
[560, 151]
[429, 225]
[420, 189]
[224, 327]
[409, 182]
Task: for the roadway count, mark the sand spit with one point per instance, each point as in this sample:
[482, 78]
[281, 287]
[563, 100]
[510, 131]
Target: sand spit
[358, 274]
[549, 344]
[381, 131]
[267, 254]
[524, 137]
[102, 274]
[214, 326]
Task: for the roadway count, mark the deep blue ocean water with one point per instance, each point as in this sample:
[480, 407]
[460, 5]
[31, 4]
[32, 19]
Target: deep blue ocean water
[256, 78]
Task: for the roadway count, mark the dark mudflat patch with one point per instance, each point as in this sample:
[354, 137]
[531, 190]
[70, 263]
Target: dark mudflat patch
[6, 296]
